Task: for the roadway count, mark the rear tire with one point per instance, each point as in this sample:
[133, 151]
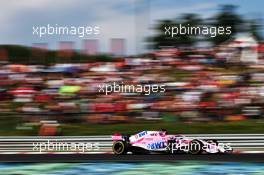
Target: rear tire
[119, 147]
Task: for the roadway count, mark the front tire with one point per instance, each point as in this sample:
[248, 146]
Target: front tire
[119, 147]
[195, 147]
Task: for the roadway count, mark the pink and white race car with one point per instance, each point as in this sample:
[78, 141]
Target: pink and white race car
[146, 142]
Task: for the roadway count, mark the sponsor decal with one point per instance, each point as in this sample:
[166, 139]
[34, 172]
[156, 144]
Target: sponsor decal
[157, 145]
[141, 134]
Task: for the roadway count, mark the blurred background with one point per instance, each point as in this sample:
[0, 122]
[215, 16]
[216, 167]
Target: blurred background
[49, 85]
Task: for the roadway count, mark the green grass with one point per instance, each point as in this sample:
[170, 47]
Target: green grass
[8, 127]
[182, 128]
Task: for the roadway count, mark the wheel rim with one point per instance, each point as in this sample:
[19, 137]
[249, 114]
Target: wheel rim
[196, 145]
[118, 147]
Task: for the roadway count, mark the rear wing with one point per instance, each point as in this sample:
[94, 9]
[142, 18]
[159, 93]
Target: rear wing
[117, 137]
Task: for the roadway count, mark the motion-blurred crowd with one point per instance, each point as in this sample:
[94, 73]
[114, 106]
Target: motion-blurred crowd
[200, 85]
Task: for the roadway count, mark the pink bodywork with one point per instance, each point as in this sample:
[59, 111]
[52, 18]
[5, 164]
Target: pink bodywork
[146, 139]
[117, 137]
[157, 140]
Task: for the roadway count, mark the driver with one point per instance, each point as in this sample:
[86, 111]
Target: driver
[164, 132]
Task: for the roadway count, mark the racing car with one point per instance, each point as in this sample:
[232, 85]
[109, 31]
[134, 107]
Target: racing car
[146, 142]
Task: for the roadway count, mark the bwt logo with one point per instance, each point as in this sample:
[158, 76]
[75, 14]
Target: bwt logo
[142, 134]
[157, 145]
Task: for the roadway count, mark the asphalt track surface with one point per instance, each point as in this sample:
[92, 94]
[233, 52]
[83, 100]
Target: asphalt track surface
[52, 158]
